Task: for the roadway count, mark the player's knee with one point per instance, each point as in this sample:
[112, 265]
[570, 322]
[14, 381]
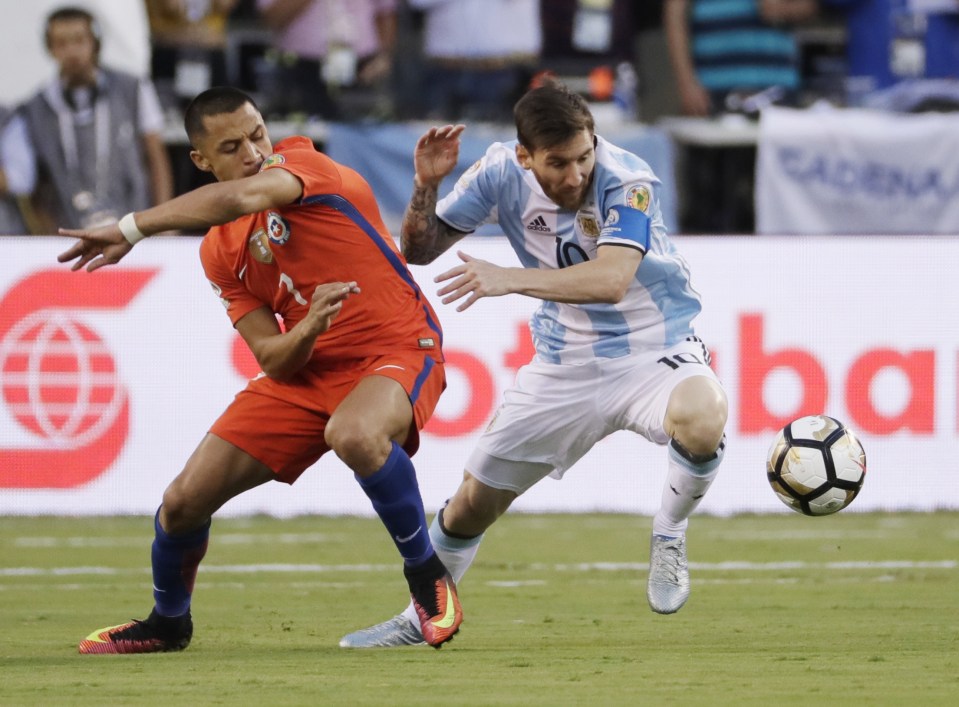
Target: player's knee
[697, 419]
[359, 448]
[179, 512]
[700, 441]
[701, 434]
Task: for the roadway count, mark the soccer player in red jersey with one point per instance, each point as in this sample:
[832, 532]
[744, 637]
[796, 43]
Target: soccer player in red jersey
[356, 365]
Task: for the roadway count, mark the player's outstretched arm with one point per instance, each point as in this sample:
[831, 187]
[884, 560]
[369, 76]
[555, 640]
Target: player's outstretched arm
[603, 280]
[423, 237]
[281, 354]
[193, 212]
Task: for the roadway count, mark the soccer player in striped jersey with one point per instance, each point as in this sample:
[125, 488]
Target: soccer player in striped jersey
[614, 340]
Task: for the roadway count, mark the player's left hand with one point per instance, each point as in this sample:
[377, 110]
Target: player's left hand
[95, 247]
[474, 279]
[327, 301]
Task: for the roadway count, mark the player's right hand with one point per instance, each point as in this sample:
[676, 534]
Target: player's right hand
[436, 154]
[95, 247]
[473, 280]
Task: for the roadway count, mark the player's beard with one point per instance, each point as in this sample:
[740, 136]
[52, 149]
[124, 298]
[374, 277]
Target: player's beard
[570, 200]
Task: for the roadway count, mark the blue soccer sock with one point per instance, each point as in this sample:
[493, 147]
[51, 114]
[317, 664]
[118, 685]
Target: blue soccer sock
[396, 499]
[175, 562]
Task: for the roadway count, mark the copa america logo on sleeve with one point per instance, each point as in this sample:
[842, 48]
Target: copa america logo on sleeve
[63, 408]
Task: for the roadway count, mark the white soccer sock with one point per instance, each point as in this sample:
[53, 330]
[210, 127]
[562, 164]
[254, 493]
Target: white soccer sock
[456, 553]
[686, 484]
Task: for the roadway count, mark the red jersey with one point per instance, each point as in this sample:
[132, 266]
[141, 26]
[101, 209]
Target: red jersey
[334, 233]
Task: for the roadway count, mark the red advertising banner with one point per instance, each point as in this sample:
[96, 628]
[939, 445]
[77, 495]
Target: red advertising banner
[109, 380]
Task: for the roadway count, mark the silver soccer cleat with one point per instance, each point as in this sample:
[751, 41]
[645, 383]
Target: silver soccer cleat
[668, 586]
[398, 631]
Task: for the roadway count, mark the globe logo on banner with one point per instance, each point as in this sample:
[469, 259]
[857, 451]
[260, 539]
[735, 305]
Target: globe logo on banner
[59, 384]
[59, 380]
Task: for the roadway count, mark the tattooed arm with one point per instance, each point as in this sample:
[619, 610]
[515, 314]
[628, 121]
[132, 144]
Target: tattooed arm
[423, 237]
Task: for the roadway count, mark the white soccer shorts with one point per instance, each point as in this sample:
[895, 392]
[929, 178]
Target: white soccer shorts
[555, 413]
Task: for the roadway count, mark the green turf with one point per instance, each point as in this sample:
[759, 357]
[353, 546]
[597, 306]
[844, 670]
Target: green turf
[846, 609]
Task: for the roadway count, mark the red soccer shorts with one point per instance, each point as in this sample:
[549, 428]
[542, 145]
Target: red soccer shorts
[282, 424]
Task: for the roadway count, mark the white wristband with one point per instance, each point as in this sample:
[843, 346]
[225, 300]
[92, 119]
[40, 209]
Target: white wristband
[128, 227]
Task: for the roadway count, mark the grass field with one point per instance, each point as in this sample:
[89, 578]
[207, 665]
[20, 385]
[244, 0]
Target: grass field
[846, 609]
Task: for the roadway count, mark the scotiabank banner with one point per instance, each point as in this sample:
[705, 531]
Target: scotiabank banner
[109, 380]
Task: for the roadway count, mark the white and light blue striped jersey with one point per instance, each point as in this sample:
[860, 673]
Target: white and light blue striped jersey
[659, 305]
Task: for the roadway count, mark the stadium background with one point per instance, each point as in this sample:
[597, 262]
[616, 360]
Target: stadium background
[106, 388]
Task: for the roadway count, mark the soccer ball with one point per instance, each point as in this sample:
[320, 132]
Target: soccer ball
[816, 465]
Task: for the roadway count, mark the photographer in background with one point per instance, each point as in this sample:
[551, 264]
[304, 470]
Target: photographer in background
[92, 135]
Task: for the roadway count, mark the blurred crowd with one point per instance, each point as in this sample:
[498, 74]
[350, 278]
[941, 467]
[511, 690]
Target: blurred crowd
[88, 146]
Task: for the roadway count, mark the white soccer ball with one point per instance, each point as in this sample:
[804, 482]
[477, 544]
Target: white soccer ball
[816, 465]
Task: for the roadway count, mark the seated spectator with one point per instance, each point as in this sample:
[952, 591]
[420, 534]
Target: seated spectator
[188, 40]
[11, 220]
[92, 136]
[889, 42]
[724, 51]
[320, 48]
[480, 56]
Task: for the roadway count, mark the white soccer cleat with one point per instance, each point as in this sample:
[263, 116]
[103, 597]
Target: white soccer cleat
[398, 631]
[668, 586]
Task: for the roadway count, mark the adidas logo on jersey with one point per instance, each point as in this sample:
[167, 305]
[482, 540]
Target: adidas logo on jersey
[538, 224]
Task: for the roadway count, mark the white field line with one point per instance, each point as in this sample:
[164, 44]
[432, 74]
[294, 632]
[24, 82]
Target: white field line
[753, 566]
[205, 569]
[295, 538]
[286, 568]
[698, 580]
[145, 540]
[746, 535]
[147, 585]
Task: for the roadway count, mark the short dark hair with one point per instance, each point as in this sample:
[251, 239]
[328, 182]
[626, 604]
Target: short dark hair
[213, 101]
[550, 115]
[68, 13]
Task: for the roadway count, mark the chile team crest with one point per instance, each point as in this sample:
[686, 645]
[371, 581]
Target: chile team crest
[277, 228]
